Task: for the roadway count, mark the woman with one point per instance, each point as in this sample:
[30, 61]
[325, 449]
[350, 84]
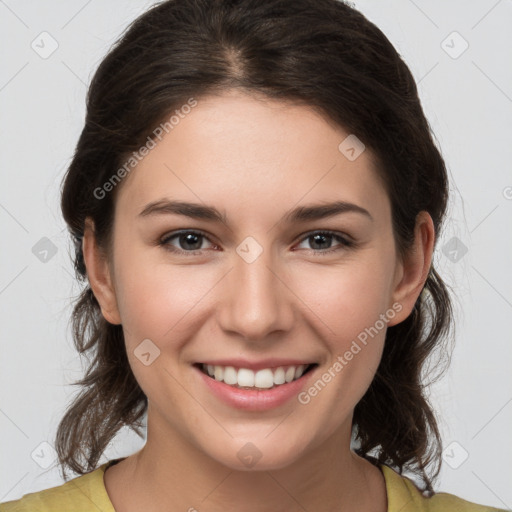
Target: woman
[276, 373]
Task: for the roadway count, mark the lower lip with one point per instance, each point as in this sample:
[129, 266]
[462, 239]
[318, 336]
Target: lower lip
[255, 399]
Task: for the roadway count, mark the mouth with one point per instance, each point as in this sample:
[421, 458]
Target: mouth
[263, 379]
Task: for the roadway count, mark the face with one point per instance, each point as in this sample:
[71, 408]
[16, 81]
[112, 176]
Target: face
[262, 288]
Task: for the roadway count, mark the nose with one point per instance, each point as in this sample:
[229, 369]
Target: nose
[256, 299]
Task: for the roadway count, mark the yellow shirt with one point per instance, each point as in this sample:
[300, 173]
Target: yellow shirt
[87, 493]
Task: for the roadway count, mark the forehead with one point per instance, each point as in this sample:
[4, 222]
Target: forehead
[253, 154]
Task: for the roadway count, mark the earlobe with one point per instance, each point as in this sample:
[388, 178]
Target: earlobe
[99, 276]
[415, 268]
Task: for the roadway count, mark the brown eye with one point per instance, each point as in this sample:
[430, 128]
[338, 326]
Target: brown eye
[321, 242]
[187, 241]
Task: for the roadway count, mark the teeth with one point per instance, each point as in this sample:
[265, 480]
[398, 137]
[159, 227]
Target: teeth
[279, 376]
[230, 375]
[219, 373]
[245, 377]
[262, 379]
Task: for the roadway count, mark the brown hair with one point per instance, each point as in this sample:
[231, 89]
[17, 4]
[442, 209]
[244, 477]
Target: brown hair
[320, 53]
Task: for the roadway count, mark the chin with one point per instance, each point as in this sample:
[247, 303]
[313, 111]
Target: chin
[257, 455]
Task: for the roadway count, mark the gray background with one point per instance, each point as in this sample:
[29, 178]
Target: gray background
[467, 96]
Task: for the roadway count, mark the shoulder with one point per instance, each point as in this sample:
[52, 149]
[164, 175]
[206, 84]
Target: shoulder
[404, 496]
[85, 493]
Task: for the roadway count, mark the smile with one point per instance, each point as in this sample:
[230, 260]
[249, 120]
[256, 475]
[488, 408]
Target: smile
[265, 378]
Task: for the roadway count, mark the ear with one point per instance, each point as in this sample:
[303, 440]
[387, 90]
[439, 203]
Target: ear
[99, 275]
[412, 272]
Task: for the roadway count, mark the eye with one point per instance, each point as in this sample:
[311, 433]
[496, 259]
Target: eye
[320, 239]
[189, 242]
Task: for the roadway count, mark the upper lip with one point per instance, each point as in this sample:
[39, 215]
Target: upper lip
[257, 365]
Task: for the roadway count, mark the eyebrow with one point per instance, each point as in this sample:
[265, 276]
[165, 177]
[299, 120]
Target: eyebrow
[204, 212]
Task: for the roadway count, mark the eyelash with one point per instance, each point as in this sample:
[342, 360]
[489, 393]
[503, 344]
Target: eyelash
[345, 243]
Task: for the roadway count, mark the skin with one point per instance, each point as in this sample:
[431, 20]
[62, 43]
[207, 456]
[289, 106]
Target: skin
[254, 159]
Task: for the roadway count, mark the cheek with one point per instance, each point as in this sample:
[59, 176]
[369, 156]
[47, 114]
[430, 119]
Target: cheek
[346, 313]
[347, 318]
[347, 299]
[155, 298]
